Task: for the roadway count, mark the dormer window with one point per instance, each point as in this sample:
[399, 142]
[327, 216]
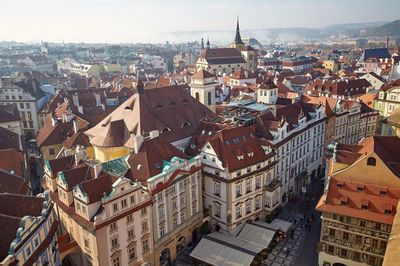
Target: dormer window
[166, 129]
[240, 157]
[360, 188]
[186, 124]
[371, 161]
[383, 192]
[343, 200]
[339, 184]
[364, 204]
[250, 154]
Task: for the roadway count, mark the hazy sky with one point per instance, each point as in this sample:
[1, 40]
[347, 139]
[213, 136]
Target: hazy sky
[116, 21]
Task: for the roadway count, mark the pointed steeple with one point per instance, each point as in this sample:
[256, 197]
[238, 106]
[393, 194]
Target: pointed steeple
[238, 39]
[202, 43]
[208, 43]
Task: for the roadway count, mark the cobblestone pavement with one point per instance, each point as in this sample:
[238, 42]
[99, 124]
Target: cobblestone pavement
[302, 248]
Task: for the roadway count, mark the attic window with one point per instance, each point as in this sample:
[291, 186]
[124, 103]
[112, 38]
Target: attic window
[158, 106]
[250, 154]
[383, 192]
[227, 142]
[360, 188]
[371, 161]
[244, 138]
[236, 140]
[251, 135]
[166, 129]
[185, 101]
[240, 157]
[186, 124]
[209, 133]
[364, 204]
[171, 104]
[387, 210]
[192, 146]
[343, 200]
[203, 132]
[339, 184]
[157, 165]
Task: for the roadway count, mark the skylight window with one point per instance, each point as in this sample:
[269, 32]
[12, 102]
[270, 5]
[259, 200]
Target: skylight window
[227, 142]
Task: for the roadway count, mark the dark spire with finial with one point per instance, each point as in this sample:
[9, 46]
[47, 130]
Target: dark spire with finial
[238, 39]
[202, 43]
[208, 43]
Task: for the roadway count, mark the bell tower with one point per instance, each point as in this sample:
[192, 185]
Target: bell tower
[202, 87]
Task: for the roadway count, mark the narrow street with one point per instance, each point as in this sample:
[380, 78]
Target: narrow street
[302, 247]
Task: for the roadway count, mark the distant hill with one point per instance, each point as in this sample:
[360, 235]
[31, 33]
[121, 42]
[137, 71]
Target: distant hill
[391, 29]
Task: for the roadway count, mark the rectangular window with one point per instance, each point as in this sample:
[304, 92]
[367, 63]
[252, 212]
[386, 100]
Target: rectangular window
[257, 203]
[217, 209]
[182, 217]
[162, 231]
[238, 212]
[123, 204]
[145, 245]
[144, 226]
[175, 222]
[129, 218]
[238, 190]
[248, 206]
[133, 199]
[143, 211]
[84, 210]
[160, 197]
[86, 242]
[131, 233]
[52, 151]
[114, 243]
[161, 213]
[113, 226]
[132, 253]
[258, 182]
[116, 261]
[115, 207]
[248, 186]
[217, 189]
[174, 205]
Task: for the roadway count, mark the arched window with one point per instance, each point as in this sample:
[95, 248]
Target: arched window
[209, 98]
[197, 96]
[371, 161]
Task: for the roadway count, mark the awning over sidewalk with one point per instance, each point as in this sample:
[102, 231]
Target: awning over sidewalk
[282, 225]
[257, 233]
[224, 249]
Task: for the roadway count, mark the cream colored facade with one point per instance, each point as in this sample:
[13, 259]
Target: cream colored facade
[113, 231]
[203, 90]
[177, 207]
[14, 126]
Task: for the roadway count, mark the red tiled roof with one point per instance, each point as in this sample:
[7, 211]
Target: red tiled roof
[202, 74]
[170, 110]
[149, 160]
[369, 196]
[96, 188]
[388, 86]
[221, 53]
[20, 205]
[11, 159]
[9, 140]
[8, 228]
[10, 183]
[231, 143]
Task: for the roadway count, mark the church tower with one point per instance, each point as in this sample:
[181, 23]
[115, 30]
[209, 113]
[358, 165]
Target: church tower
[238, 43]
[202, 87]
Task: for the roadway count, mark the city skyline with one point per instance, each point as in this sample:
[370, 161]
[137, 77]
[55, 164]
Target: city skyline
[140, 21]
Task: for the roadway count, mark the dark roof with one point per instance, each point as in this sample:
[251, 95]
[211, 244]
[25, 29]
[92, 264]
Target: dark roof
[20, 205]
[215, 53]
[60, 164]
[10, 183]
[388, 86]
[31, 86]
[149, 160]
[238, 39]
[222, 61]
[9, 113]
[9, 140]
[8, 228]
[79, 174]
[375, 53]
[202, 74]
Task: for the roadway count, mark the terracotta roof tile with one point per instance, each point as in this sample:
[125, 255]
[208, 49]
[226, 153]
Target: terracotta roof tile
[364, 201]
[10, 183]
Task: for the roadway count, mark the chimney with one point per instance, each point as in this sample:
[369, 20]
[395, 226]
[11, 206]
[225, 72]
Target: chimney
[80, 154]
[75, 99]
[154, 134]
[137, 142]
[97, 169]
[97, 97]
[76, 125]
[53, 120]
[140, 87]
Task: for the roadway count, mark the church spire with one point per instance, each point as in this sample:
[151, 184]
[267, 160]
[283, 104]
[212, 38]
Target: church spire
[238, 39]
